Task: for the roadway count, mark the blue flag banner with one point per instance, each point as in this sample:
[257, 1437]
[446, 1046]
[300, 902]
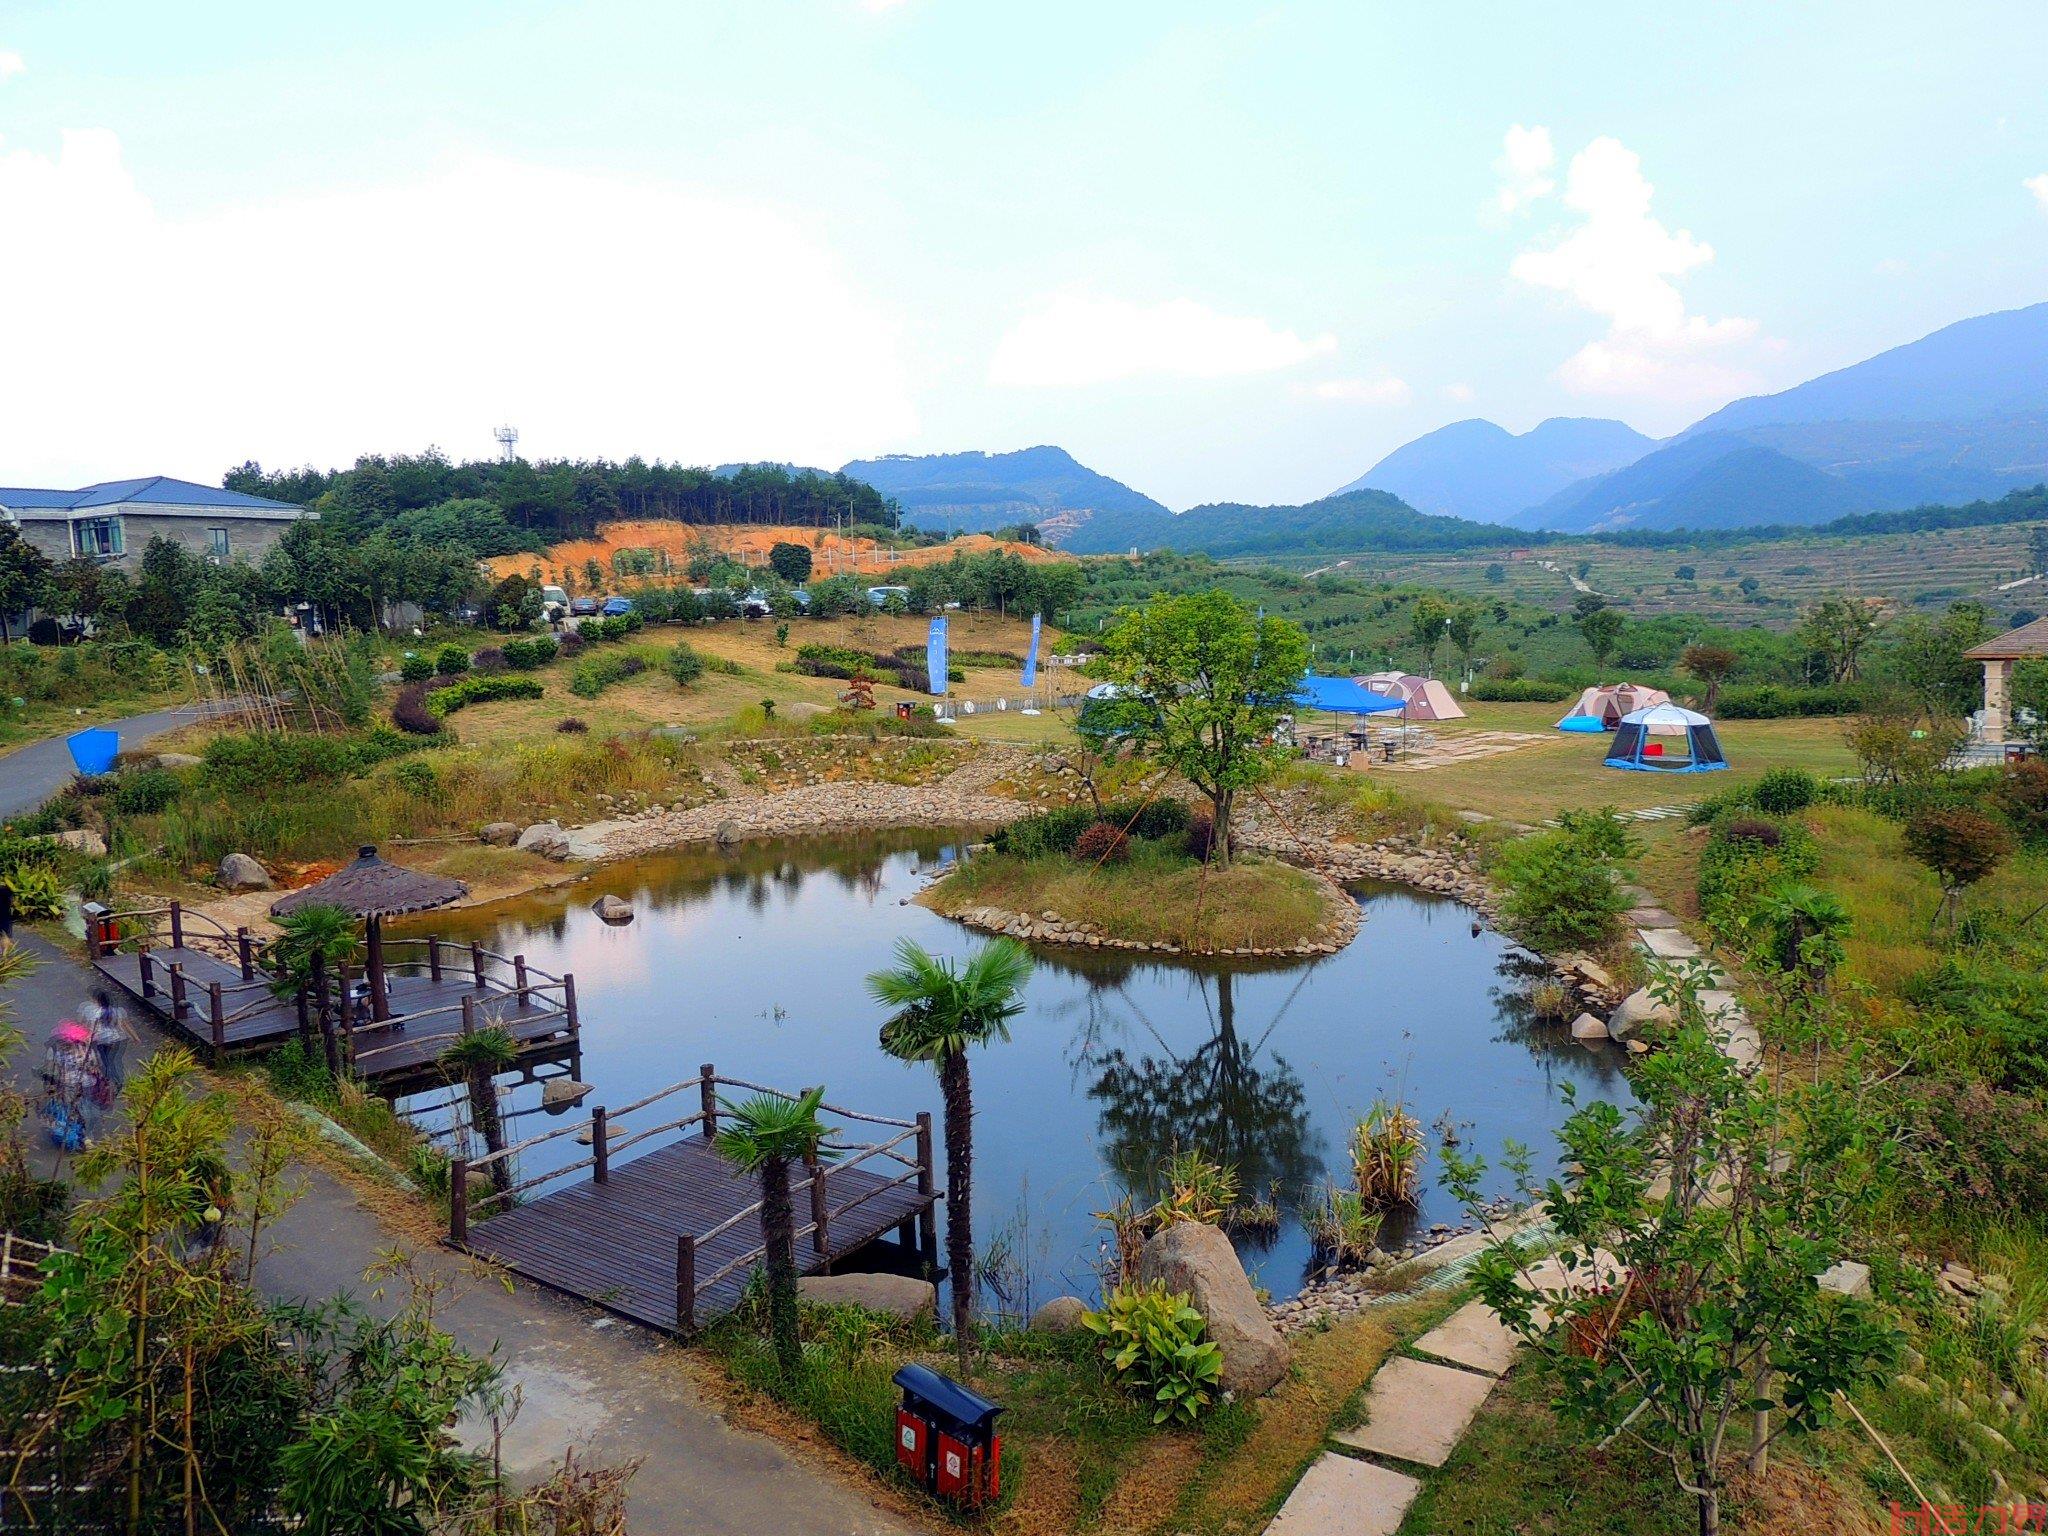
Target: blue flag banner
[1031, 656]
[935, 655]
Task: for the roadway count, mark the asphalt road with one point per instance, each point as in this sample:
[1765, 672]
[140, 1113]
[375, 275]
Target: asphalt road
[32, 774]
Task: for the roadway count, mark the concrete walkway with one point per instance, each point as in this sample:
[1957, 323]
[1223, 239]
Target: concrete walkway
[607, 1389]
[32, 774]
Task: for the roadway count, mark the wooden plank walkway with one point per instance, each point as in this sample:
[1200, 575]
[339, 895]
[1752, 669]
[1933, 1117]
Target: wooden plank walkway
[614, 1243]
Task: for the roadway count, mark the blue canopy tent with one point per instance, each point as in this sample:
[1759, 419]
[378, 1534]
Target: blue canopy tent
[1642, 742]
[1342, 696]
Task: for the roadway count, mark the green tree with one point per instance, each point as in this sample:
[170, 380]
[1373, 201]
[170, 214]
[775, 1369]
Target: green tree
[792, 562]
[2037, 549]
[1926, 658]
[941, 1012]
[1601, 630]
[1837, 630]
[1426, 621]
[2028, 700]
[24, 577]
[1682, 1307]
[1710, 664]
[1204, 684]
[1961, 846]
[765, 1136]
[1496, 573]
[477, 1057]
[1463, 630]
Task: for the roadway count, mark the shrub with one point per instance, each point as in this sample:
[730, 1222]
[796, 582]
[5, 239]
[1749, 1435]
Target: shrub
[417, 778]
[1200, 840]
[684, 664]
[1102, 843]
[1753, 829]
[259, 760]
[1773, 701]
[1159, 819]
[38, 893]
[443, 702]
[1046, 832]
[1784, 790]
[524, 655]
[1739, 864]
[415, 668]
[2023, 796]
[1968, 1151]
[569, 725]
[1520, 690]
[571, 644]
[145, 791]
[1561, 894]
[409, 711]
[451, 661]
[25, 853]
[594, 674]
[1157, 1345]
[489, 660]
[1601, 832]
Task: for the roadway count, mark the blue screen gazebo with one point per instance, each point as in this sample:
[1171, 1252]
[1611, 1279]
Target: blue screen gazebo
[1644, 742]
[1342, 696]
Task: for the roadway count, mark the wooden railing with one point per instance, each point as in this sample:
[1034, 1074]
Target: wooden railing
[606, 1143]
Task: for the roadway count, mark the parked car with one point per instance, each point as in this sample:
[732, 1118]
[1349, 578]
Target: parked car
[554, 602]
[583, 607]
[614, 607]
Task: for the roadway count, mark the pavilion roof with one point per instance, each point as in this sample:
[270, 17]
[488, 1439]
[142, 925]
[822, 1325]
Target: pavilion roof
[368, 886]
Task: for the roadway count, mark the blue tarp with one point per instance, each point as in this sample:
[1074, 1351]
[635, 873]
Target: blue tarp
[95, 750]
[1342, 696]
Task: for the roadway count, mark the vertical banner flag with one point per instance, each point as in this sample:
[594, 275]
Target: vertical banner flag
[1031, 656]
[935, 655]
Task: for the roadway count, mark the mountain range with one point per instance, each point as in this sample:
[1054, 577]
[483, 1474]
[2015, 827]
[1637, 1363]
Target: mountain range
[974, 492]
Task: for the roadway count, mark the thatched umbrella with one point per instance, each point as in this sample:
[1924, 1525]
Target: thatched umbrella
[371, 889]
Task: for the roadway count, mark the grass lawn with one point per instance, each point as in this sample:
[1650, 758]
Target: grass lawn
[1154, 897]
[39, 719]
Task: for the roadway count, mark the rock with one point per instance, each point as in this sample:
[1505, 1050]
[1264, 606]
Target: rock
[1587, 1027]
[1060, 1315]
[500, 834]
[728, 833]
[1589, 971]
[1847, 1278]
[545, 838]
[88, 842]
[613, 909]
[558, 1093]
[901, 1296]
[1197, 1260]
[176, 760]
[1637, 1009]
[239, 872]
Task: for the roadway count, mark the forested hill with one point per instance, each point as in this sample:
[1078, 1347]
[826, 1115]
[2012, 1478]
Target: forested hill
[974, 492]
[1336, 525]
[549, 500]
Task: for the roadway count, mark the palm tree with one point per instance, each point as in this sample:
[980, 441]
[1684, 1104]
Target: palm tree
[940, 1012]
[327, 932]
[478, 1057]
[765, 1135]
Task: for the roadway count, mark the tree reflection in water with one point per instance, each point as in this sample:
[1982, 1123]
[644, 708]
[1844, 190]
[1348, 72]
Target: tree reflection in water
[1229, 1098]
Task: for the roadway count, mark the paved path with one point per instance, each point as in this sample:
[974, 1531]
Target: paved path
[610, 1390]
[32, 774]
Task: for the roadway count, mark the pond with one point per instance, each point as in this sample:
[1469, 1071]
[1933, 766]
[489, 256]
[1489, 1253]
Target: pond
[753, 958]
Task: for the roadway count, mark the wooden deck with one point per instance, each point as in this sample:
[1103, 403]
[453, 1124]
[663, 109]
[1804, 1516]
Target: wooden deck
[670, 1238]
[209, 987]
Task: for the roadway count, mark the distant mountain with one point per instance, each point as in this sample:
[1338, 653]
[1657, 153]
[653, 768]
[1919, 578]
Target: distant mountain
[1478, 470]
[979, 491]
[1343, 524]
[1954, 417]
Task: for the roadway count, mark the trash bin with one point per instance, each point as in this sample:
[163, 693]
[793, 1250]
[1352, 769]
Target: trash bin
[904, 709]
[946, 1437]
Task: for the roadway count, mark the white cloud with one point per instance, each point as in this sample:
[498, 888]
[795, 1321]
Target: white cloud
[1892, 266]
[1462, 393]
[1079, 338]
[2038, 185]
[1621, 262]
[385, 319]
[11, 64]
[1385, 390]
[1526, 161]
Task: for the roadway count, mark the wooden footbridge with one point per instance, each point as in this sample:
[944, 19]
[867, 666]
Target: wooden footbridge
[669, 1238]
[208, 984]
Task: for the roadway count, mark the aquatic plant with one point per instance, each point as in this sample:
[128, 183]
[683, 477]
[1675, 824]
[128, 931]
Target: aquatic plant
[1386, 1154]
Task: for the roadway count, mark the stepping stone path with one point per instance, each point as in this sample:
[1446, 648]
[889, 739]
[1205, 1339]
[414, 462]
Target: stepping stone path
[1669, 943]
[1342, 1493]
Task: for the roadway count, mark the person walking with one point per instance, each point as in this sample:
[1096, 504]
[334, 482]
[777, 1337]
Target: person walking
[6, 912]
[74, 1089]
[112, 1034]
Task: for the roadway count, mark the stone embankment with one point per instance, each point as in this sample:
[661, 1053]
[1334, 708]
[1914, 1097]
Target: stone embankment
[1443, 868]
[845, 806]
[1338, 928]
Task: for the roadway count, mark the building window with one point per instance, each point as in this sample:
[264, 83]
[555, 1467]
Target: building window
[98, 538]
[217, 543]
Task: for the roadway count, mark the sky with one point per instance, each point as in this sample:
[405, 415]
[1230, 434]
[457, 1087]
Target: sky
[1218, 251]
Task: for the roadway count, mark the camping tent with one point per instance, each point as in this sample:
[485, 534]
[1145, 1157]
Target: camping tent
[1424, 697]
[1601, 708]
[1642, 742]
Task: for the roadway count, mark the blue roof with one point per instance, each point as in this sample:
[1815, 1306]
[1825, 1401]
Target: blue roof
[1343, 696]
[150, 490]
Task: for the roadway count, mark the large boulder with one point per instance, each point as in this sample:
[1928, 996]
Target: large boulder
[177, 760]
[500, 834]
[613, 909]
[545, 838]
[1197, 1261]
[1636, 1010]
[239, 872]
[902, 1296]
[86, 841]
[1587, 1027]
[1062, 1314]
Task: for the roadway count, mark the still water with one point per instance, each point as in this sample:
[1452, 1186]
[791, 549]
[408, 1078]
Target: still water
[753, 959]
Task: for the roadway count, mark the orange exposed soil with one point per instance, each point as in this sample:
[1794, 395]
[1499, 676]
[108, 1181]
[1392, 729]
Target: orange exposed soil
[749, 543]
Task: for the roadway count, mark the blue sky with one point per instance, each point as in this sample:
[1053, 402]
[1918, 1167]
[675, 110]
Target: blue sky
[1218, 251]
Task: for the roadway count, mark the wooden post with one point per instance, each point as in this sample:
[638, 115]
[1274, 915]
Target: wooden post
[569, 1000]
[821, 1240]
[380, 993]
[218, 1017]
[600, 1149]
[707, 1093]
[458, 1200]
[924, 1152]
[468, 1014]
[476, 963]
[92, 932]
[519, 971]
[927, 1221]
[177, 925]
[148, 967]
[247, 949]
[434, 957]
[686, 1283]
[178, 1003]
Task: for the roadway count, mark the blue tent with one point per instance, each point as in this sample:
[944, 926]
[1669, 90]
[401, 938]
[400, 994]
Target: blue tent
[1641, 738]
[1342, 696]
